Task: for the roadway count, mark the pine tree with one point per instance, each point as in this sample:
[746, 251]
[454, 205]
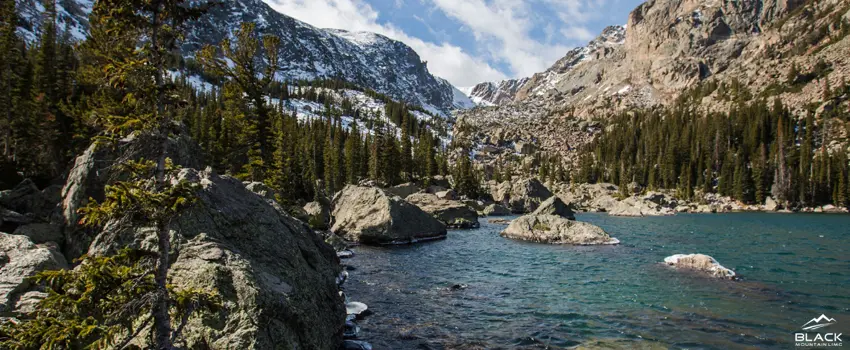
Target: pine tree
[406, 148]
[245, 72]
[352, 155]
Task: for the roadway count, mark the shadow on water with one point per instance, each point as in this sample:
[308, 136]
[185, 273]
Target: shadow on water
[477, 290]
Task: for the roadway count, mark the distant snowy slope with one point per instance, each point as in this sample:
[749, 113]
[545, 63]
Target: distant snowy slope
[366, 59]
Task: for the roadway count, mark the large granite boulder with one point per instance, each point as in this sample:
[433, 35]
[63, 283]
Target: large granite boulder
[451, 213]
[526, 196]
[99, 166]
[370, 215]
[700, 263]
[496, 210]
[555, 206]
[554, 229]
[277, 278]
[21, 259]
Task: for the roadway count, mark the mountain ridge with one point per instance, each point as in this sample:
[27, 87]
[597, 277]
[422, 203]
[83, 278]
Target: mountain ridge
[367, 59]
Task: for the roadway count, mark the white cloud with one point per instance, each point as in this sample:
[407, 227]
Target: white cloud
[444, 60]
[578, 33]
[505, 28]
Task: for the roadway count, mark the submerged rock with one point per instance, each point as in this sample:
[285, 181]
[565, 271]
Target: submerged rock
[700, 263]
[371, 216]
[500, 221]
[355, 345]
[555, 206]
[557, 230]
[451, 213]
[352, 330]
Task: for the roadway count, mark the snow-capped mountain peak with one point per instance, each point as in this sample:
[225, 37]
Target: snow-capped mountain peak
[367, 59]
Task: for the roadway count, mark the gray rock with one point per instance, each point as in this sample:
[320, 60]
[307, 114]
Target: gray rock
[526, 196]
[352, 330]
[11, 217]
[524, 148]
[448, 195]
[451, 213]
[345, 254]
[404, 190]
[700, 263]
[639, 207]
[319, 212]
[371, 216]
[555, 206]
[355, 345]
[41, 233]
[553, 229]
[261, 189]
[500, 221]
[356, 309]
[98, 166]
[24, 198]
[496, 210]
[770, 204]
[20, 259]
[276, 278]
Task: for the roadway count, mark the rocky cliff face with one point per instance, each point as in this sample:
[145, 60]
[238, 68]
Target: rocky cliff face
[668, 47]
[366, 59]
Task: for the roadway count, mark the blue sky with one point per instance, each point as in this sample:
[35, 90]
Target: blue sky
[472, 41]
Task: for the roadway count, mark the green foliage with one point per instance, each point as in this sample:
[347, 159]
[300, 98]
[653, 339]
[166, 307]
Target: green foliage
[538, 226]
[467, 182]
[104, 303]
[751, 152]
[141, 199]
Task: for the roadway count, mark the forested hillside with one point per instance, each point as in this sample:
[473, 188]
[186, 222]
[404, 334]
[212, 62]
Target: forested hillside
[302, 138]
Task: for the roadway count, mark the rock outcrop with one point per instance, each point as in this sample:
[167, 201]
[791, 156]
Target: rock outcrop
[21, 259]
[555, 206]
[370, 215]
[451, 213]
[700, 263]
[553, 229]
[277, 279]
[496, 210]
[98, 167]
[523, 196]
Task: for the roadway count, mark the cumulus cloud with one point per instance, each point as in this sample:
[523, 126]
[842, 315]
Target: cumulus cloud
[506, 27]
[444, 60]
[513, 38]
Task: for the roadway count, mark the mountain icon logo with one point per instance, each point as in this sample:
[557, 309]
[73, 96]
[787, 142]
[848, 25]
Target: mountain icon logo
[818, 323]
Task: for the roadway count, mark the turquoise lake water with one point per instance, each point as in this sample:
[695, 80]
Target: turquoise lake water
[533, 296]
